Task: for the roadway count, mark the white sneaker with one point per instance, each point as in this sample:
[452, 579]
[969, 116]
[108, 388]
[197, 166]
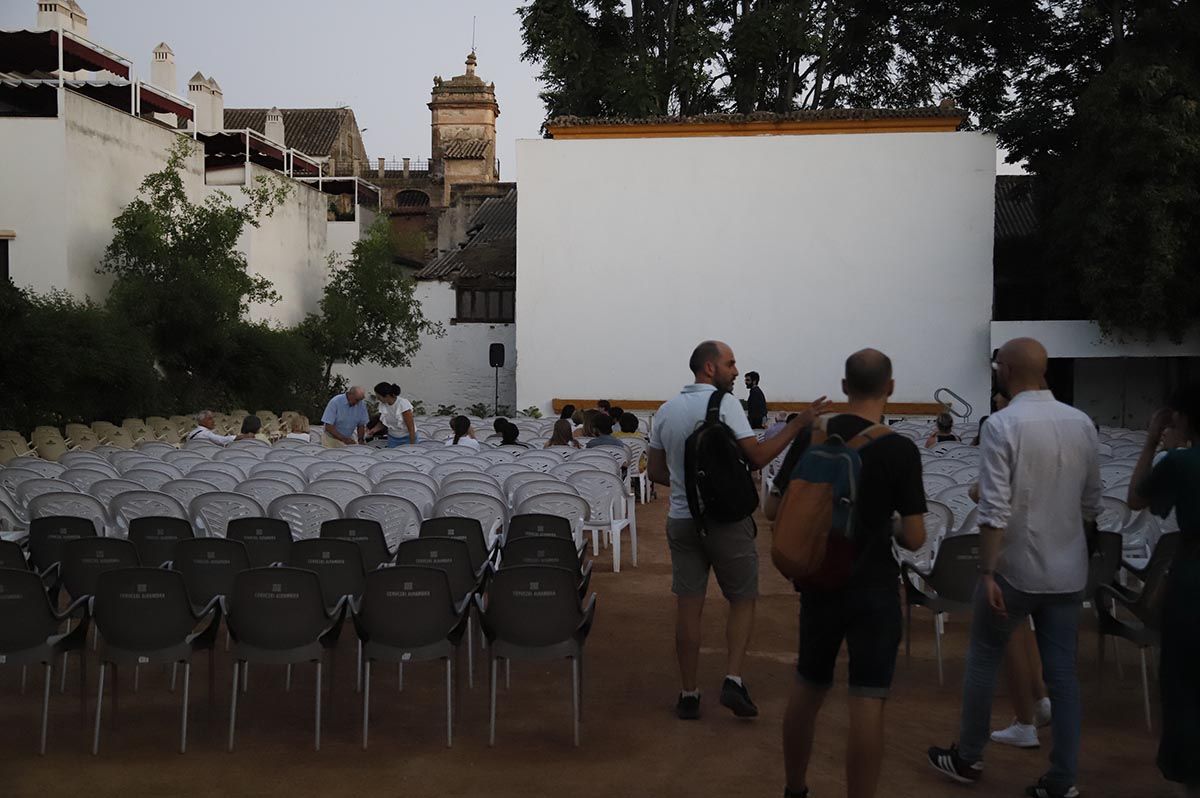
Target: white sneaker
[1018, 735]
[1042, 714]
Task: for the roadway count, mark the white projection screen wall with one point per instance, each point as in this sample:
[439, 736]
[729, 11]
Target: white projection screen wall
[796, 250]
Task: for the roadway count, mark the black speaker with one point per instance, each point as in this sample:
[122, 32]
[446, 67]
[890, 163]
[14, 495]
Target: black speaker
[496, 356]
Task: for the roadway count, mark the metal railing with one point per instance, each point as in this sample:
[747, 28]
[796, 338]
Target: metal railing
[939, 396]
[391, 167]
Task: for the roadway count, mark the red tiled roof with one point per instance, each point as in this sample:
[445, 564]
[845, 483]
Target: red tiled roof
[313, 131]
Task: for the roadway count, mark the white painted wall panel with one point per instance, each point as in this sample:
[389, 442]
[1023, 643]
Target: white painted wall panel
[797, 250]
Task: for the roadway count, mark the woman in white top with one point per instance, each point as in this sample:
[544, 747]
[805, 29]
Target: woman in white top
[463, 434]
[395, 415]
[300, 430]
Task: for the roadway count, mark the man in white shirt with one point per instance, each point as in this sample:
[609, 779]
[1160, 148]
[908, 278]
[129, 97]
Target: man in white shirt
[1039, 490]
[204, 431]
[727, 549]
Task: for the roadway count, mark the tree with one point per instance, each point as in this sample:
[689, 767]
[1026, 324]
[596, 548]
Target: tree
[179, 274]
[1123, 199]
[369, 310]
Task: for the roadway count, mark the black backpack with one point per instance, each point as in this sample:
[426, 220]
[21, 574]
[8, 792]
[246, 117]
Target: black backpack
[720, 487]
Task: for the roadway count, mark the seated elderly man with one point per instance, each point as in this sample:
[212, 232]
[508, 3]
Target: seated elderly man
[345, 418]
[204, 431]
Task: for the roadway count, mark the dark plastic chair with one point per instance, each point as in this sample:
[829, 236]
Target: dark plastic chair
[533, 612]
[13, 556]
[466, 529]
[48, 534]
[1104, 562]
[85, 559]
[367, 533]
[268, 541]
[337, 563]
[538, 525]
[951, 587]
[155, 536]
[209, 567]
[29, 631]
[410, 613]
[277, 616]
[144, 616]
[553, 551]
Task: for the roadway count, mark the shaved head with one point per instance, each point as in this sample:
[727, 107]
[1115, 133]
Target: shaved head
[1025, 358]
[713, 362]
[355, 394]
[868, 375]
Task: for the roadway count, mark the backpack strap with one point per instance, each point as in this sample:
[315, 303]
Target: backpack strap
[820, 432]
[713, 414]
[870, 435]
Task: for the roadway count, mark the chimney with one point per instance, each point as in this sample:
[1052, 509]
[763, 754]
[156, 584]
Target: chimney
[162, 68]
[200, 96]
[79, 20]
[273, 129]
[54, 14]
[217, 108]
[406, 163]
[382, 171]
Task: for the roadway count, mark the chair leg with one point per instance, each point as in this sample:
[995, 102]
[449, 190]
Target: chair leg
[449, 703]
[317, 742]
[99, 705]
[332, 678]
[212, 681]
[358, 669]
[614, 532]
[233, 702]
[508, 674]
[366, 694]
[908, 633]
[136, 679]
[575, 697]
[83, 689]
[400, 678]
[23, 675]
[492, 732]
[287, 679]
[470, 650]
[937, 638]
[187, 679]
[595, 544]
[46, 706]
[245, 676]
[631, 507]
[174, 672]
[1146, 692]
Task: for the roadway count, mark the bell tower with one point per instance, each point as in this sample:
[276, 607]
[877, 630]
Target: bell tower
[463, 125]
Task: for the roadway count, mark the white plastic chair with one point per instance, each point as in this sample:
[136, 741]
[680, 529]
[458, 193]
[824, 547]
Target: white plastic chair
[399, 517]
[547, 485]
[541, 460]
[304, 512]
[265, 489]
[959, 501]
[326, 468]
[570, 506]
[420, 495]
[458, 466]
[106, 489]
[80, 505]
[211, 513]
[142, 504]
[489, 511]
[936, 483]
[460, 486]
[186, 489]
[612, 512]
[31, 488]
[83, 478]
[147, 478]
[12, 476]
[382, 470]
[218, 479]
[270, 471]
[339, 490]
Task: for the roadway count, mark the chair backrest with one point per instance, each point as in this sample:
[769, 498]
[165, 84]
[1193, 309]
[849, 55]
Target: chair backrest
[490, 511]
[267, 540]
[267, 489]
[212, 512]
[936, 483]
[502, 471]
[80, 505]
[514, 481]
[451, 555]
[83, 477]
[1115, 514]
[43, 468]
[277, 609]
[138, 503]
[556, 551]
[604, 493]
[959, 501]
[443, 470]
[941, 466]
[221, 467]
[367, 533]
[570, 506]
[1105, 561]
[84, 559]
[538, 525]
[305, 512]
[12, 555]
[566, 470]
[219, 480]
[469, 476]
[533, 605]
[399, 518]
[956, 570]
[1157, 568]
[326, 467]
[540, 460]
[155, 536]
[32, 488]
[186, 489]
[548, 485]
[468, 530]
[142, 609]
[408, 606]
[48, 534]
[147, 478]
[486, 487]
[341, 491]
[416, 492]
[208, 566]
[337, 562]
[28, 619]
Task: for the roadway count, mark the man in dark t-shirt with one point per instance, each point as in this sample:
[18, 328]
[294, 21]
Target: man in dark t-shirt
[756, 404]
[865, 613]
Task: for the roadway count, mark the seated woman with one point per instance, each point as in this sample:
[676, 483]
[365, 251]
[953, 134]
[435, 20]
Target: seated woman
[395, 415]
[944, 432]
[509, 433]
[587, 428]
[299, 430]
[562, 435]
[252, 428]
[463, 434]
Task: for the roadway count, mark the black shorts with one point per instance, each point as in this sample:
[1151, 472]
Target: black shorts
[868, 620]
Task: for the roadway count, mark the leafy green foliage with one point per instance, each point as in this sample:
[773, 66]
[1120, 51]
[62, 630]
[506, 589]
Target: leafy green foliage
[479, 410]
[369, 310]
[447, 410]
[532, 412]
[419, 407]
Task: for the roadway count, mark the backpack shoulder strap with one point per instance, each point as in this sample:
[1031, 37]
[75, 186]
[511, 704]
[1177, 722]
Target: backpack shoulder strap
[870, 435]
[820, 432]
[713, 413]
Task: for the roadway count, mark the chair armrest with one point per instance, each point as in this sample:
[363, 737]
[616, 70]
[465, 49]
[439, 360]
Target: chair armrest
[1106, 592]
[214, 604]
[1137, 571]
[589, 615]
[339, 610]
[83, 601]
[23, 542]
[167, 565]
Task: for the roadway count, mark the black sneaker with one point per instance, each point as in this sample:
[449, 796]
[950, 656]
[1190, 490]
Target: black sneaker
[947, 761]
[688, 707]
[1043, 790]
[737, 698]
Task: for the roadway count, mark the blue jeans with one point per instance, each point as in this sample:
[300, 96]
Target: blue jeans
[1056, 618]
[394, 441]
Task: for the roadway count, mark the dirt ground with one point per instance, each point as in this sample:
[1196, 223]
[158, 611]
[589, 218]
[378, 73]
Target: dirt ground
[632, 744]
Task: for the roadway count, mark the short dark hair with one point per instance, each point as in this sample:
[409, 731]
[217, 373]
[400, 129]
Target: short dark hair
[629, 422]
[752, 375]
[567, 411]
[509, 432]
[1186, 401]
[705, 352]
[616, 412]
[602, 424]
[868, 372]
[945, 422]
[603, 404]
[251, 425]
[499, 425]
[387, 389]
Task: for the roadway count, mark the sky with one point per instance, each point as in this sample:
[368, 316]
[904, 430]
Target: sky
[377, 56]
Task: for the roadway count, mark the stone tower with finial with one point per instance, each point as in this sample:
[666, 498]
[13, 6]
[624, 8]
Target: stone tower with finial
[464, 112]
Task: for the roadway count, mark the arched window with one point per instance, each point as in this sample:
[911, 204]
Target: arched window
[411, 198]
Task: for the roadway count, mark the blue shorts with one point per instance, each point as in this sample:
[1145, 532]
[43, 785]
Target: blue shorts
[393, 441]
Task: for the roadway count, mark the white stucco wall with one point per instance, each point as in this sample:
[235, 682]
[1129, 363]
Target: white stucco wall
[33, 201]
[342, 235]
[450, 370]
[796, 250]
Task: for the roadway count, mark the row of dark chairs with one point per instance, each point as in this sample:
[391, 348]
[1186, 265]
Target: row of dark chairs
[417, 607]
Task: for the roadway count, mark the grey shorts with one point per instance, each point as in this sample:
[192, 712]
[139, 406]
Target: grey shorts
[728, 549]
